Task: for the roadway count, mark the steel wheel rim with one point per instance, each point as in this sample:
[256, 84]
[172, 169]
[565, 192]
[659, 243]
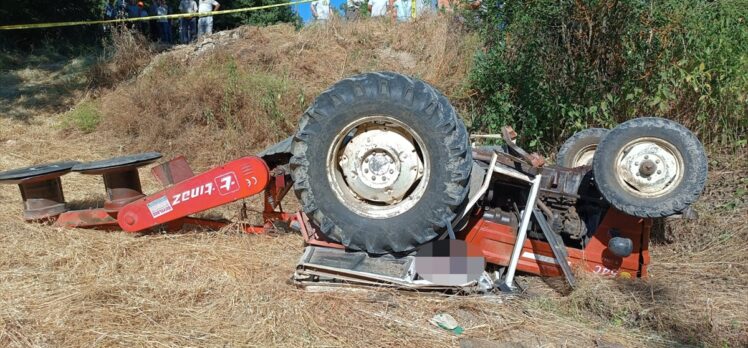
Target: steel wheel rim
[378, 167]
[649, 167]
[584, 156]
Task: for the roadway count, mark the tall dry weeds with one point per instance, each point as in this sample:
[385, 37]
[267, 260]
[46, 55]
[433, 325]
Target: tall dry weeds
[125, 54]
[238, 91]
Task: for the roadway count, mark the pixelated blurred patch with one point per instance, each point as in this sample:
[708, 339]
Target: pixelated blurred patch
[449, 262]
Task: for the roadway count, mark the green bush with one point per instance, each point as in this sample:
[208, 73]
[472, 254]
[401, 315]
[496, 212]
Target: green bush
[554, 67]
[270, 16]
[85, 117]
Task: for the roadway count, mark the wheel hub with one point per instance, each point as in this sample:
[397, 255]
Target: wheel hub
[380, 165]
[584, 158]
[649, 168]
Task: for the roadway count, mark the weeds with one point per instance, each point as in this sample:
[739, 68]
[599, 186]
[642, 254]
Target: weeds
[124, 55]
[85, 117]
[222, 104]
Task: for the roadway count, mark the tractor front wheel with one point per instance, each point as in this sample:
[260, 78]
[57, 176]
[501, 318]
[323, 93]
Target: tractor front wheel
[650, 167]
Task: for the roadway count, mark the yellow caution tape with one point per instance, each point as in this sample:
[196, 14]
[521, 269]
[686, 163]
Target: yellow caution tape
[149, 18]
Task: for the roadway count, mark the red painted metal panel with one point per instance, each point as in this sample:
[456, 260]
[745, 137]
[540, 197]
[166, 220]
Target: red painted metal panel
[237, 179]
[497, 240]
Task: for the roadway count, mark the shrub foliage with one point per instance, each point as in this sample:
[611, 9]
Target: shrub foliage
[553, 67]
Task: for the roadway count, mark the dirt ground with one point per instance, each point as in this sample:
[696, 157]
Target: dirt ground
[76, 287]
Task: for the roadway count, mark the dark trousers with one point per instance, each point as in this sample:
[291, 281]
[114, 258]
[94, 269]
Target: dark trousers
[164, 29]
[186, 29]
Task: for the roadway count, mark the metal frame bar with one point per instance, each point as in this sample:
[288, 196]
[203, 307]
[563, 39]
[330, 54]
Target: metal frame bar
[481, 191]
[522, 233]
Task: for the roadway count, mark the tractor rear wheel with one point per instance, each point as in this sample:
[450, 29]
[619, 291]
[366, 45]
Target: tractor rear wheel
[381, 163]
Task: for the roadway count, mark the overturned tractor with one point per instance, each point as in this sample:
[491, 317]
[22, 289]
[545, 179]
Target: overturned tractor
[389, 183]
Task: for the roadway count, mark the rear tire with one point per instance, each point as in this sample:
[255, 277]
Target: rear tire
[650, 167]
[350, 174]
[579, 149]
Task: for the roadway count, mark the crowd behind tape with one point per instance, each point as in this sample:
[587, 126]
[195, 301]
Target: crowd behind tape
[148, 18]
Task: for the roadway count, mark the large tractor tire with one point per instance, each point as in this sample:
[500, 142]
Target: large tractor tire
[579, 150]
[381, 163]
[650, 167]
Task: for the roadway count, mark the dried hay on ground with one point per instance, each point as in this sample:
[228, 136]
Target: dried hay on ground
[80, 287]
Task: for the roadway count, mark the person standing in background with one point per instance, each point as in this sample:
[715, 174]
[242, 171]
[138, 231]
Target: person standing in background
[187, 25]
[164, 29]
[401, 10]
[320, 10]
[205, 24]
[133, 11]
[378, 8]
[145, 25]
[153, 24]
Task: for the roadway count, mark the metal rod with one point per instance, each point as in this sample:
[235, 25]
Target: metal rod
[486, 136]
[481, 191]
[511, 172]
[522, 233]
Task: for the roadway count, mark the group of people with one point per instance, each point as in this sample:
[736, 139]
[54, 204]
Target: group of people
[191, 28]
[402, 10]
[161, 29]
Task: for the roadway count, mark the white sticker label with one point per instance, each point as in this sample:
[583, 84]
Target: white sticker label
[538, 257]
[159, 207]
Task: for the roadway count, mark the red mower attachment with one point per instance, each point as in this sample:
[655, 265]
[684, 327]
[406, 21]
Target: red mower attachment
[126, 207]
[238, 179]
[41, 189]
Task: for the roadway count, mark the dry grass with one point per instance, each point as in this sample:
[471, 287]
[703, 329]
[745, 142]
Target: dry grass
[239, 91]
[90, 288]
[123, 57]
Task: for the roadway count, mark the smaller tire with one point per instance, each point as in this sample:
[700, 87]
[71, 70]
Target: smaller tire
[650, 167]
[579, 149]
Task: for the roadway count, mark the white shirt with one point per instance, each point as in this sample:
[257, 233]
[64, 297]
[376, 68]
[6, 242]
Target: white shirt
[207, 5]
[403, 9]
[322, 7]
[188, 6]
[161, 11]
[378, 7]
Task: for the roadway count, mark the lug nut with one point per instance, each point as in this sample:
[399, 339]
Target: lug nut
[392, 171]
[366, 170]
[636, 163]
[646, 156]
[384, 178]
[373, 178]
[657, 161]
[659, 172]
